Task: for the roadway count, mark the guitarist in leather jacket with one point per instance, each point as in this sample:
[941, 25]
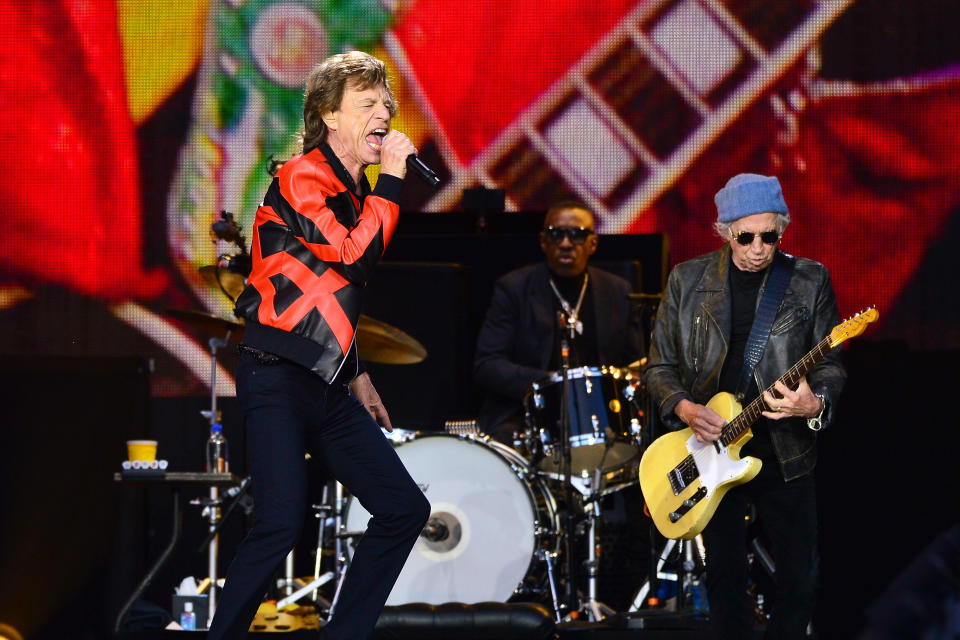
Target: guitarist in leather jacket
[697, 350]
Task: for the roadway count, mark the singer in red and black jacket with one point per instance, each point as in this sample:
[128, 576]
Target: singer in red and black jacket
[317, 237]
[315, 245]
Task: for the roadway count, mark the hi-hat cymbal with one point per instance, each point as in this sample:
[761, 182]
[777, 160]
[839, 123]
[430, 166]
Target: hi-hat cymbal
[231, 283]
[209, 323]
[380, 342]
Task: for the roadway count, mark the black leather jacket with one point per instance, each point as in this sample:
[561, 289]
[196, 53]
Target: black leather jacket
[693, 330]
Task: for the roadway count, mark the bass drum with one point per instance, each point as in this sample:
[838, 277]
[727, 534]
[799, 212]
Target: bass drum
[496, 516]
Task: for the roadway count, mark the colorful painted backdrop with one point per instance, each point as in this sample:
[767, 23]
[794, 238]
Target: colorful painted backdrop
[127, 126]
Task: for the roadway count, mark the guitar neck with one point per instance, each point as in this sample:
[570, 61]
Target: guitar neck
[753, 410]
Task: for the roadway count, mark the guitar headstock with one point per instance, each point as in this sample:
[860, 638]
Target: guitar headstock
[854, 326]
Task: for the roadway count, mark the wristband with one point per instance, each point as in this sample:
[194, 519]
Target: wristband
[816, 422]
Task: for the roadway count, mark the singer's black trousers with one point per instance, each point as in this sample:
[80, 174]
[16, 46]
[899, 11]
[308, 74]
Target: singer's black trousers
[288, 411]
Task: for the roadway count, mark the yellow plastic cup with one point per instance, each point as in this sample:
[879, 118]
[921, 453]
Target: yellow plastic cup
[142, 450]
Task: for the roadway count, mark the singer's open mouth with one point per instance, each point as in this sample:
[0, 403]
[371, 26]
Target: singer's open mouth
[375, 138]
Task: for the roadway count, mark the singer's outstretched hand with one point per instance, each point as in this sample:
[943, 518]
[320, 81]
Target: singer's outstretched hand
[393, 153]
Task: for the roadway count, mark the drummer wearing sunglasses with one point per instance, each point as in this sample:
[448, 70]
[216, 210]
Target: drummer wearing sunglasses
[518, 341]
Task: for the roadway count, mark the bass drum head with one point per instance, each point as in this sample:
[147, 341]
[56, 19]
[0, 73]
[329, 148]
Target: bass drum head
[488, 511]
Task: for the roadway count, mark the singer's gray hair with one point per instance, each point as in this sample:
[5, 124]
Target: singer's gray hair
[325, 86]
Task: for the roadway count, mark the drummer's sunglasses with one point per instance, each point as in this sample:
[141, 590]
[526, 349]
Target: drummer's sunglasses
[576, 235]
[746, 237]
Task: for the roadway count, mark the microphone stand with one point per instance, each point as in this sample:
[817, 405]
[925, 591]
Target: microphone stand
[566, 335]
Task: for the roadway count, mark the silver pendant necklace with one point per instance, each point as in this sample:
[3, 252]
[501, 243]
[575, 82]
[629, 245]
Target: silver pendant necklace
[573, 315]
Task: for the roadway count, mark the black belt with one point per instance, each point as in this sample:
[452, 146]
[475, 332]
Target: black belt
[262, 357]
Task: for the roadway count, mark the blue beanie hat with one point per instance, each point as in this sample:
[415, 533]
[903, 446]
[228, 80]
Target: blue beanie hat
[748, 193]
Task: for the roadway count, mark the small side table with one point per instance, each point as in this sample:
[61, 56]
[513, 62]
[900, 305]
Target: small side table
[174, 480]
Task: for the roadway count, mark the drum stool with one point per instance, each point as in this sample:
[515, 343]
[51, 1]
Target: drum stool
[481, 621]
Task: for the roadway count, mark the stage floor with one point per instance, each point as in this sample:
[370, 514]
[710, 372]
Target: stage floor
[645, 628]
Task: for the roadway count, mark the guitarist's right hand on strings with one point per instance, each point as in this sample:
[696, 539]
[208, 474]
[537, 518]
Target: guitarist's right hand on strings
[705, 423]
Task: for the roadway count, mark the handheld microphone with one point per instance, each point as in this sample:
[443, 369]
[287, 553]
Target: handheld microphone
[422, 170]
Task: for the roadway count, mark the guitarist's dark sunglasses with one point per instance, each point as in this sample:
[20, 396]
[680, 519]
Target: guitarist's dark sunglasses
[576, 235]
[746, 237]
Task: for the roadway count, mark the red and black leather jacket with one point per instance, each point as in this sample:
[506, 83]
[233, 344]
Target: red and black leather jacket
[315, 245]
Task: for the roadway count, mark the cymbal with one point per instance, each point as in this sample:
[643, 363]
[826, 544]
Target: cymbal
[231, 283]
[208, 322]
[378, 341]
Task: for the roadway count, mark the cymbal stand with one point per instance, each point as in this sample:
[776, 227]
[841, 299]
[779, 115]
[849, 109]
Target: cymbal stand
[322, 513]
[691, 555]
[288, 583]
[567, 329]
[689, 579]
[549, 558]
[341, 562]
[594, 609]
[212, 506]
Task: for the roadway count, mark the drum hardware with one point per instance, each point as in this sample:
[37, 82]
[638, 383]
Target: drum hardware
[599, 407]
[567, 329]
[305, 589]
[322, 512]
[288, 583]
[212, 505]
[548, 559]
[594, 609]
[688, 575]
[462, 427]
[601, 403]
[439, 529]
[298, 588]
[341, 562]
[240, 497]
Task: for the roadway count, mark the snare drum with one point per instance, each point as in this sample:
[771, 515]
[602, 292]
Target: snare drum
[495, 515]
[603, 424]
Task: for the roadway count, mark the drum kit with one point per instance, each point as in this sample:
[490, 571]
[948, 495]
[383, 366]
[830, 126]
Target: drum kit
[506, 522]
[504, 519]
[497, 529]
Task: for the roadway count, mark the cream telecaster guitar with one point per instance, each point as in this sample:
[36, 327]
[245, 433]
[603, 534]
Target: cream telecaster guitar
[684, 480]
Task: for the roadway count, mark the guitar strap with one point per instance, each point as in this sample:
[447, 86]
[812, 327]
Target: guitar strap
[763, 319]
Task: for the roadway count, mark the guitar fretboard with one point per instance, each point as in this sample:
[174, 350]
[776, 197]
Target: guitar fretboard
[749, 415]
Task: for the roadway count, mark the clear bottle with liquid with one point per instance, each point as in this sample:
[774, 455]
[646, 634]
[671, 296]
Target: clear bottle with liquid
[218, 460]
[188, 619]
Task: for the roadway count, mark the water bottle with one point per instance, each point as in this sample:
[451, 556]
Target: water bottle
[188, 619]
[217, 459]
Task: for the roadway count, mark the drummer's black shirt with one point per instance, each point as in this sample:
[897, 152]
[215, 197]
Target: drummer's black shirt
[583, 349]
[744, 289]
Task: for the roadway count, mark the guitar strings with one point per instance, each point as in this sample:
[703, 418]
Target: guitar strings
[732, 430]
